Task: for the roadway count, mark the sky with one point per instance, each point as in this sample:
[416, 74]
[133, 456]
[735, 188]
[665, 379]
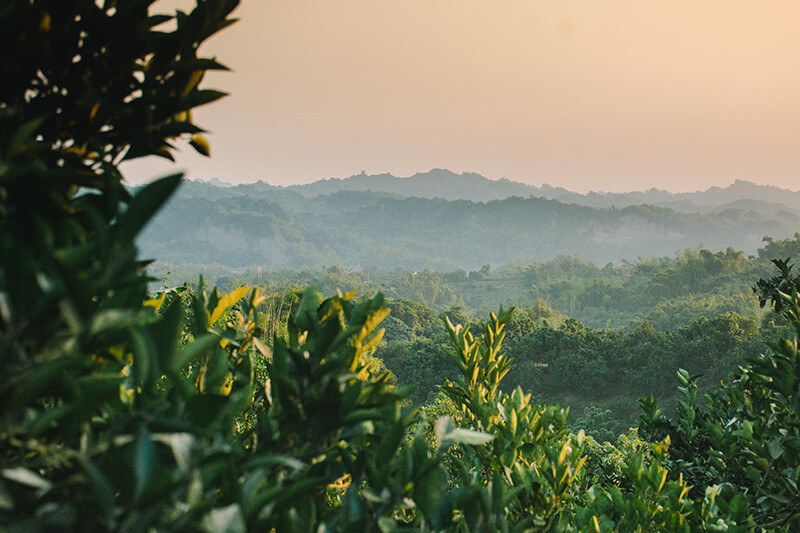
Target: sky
[611, 95]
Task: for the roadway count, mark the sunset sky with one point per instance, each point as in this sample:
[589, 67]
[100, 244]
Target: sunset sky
[606, 95]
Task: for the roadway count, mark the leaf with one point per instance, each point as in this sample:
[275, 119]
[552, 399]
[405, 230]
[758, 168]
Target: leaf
[201, 97]
[6, 500]
[102, 489]
[181, 444]
[775, 448]
[176, 128]
[24, 476]
[444, 425]
[513, 423]
[467, 436]
[227, 301]
[155, 20]
[429, 491]
[272, 459]
[201, 320]
[306, 317]
[168, 332]
[101, 386]
[23, 135]
[143, 460]
[200, 145]
[193, 350]
[156, 302]
[143, 368]
[200, 63]
[388, 525]
[110, 319]
[194, 80]
[262, 348]
[228, 519]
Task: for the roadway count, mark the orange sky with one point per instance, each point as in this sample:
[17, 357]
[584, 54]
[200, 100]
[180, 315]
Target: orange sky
[589, 95]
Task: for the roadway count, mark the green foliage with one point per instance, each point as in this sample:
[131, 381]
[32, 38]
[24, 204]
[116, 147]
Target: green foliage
[538, 475]
[745, 434]
[670, 293]
[87, 86]
[422, 363]
[358, 228]
[769, 290]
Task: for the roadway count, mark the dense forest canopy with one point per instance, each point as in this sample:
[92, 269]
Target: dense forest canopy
[668, 292]
[270, 227]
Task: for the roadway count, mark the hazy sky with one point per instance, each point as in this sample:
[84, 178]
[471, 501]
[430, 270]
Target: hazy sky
[589, 95]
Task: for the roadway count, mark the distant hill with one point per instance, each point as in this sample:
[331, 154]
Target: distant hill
[437, 183]
[447, 185]
[343, 222]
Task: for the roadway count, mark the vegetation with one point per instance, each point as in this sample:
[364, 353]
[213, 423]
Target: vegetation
[667, 292]
[258, 225]
[200, 410]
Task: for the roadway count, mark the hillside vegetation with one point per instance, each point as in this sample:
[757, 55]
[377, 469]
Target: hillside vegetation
[668, 292]
[259, 225]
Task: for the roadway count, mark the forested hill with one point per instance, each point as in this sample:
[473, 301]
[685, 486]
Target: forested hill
[441, 183]
[261, 225]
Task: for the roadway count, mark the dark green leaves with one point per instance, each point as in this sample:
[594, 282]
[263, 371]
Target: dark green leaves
[144, 452]
[91, 380]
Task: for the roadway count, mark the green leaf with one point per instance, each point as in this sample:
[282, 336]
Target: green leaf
[388, 525]
[200, 97]
[444, 425]
[6, 500]
[177, 128]
[193, 350]
[753, 473]
[155, 20]
[143, 460]
[168, 332]
[775, 448]
[228, 519]
[306, 317]
[102, 490]
[227, 301]
[26, 477]
[23, 135]
[143, 370]
[513, 422]
[110, 319]
[467, 436]
[272, 460]
[181, 445]
[200, 145]
[201, 319]
[201, 63]
[428, 491]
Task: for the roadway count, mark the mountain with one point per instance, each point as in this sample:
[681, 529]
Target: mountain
[437, 183]
[262, 225]
[447, 185]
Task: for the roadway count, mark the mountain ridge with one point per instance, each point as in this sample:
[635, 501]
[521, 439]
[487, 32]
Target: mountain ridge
[263, 225]
[448, 185]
